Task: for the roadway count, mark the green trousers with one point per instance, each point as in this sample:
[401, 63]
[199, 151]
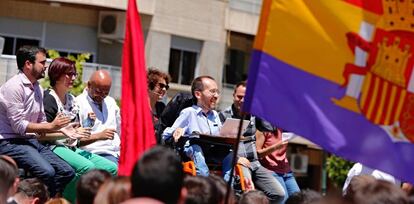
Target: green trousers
[82, 161]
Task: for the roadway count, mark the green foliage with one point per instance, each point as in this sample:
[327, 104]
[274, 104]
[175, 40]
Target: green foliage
[78, 84]
[337, 169]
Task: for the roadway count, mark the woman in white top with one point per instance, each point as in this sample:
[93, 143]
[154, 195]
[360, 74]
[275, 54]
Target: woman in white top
[57, 100]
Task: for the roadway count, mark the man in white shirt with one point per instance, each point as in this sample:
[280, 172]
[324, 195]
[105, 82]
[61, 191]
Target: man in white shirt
[101, 113]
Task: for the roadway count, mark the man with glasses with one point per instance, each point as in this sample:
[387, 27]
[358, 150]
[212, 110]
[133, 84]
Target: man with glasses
[100, 112]
[199, 118]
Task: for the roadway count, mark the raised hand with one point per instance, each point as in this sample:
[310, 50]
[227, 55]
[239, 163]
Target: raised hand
[60, 121]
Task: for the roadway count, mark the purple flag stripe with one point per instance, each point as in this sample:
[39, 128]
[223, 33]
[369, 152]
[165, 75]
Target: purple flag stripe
[300, 102]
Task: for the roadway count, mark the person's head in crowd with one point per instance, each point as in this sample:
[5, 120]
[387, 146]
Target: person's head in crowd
[159, 175]
[114, 191]
[57, 201]
[62, 72]
[157, 84]
[378, 192]
[357, 183]
[408, 188]
[200, 190]
[9, 177]
[205, 90]
[31, 191]
[31, 60]
[99, 85]
[306, 196]
[88, 185]
[253, 197]
[221, 186]
[238, 95]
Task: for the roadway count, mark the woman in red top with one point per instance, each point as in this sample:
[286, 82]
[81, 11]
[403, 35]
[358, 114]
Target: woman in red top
[272, 154]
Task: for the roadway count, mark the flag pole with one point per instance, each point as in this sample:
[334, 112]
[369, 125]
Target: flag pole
[235, 150]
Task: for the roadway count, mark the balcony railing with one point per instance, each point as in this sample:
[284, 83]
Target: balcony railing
[8, 68]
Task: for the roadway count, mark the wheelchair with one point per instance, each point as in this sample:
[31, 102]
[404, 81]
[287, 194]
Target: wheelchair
[214, 151]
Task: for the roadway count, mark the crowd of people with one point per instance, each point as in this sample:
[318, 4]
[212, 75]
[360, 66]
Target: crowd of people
[59, 148]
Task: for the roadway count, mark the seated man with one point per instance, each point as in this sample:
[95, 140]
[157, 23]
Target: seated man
[199, 118]
[100, 112]
[261, 177]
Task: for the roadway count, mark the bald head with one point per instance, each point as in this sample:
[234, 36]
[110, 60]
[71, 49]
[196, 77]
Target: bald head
[99, 85]
[101, 77]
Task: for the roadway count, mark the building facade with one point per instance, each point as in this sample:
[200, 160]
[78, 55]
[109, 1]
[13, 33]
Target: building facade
[186, 38]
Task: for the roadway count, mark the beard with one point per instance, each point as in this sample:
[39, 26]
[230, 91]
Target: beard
[38, 75]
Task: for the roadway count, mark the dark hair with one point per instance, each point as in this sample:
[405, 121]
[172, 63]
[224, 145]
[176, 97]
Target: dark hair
[200, 190]
[306, 196]
[357, 183]
[221, 186]
[59, 67]
[242, 83]
[114, 191]
[34, 188]
[154, 75]
[8, 173]
[27, 52]
[379, 192]
[158, 174]
[88, 185]
[253, 196]
[197, 84]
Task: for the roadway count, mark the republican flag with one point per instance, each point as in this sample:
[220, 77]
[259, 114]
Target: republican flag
[137, 134]
[340, 73]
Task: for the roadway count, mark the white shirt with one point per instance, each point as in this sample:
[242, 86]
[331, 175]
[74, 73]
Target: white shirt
[109, 117]
[359, 169]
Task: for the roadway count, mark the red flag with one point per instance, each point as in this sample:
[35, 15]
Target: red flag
[137, 129]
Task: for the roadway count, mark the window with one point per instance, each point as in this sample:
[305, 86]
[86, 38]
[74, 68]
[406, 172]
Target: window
[182, 66]
[237, 67]
[12, 44]
[237, 58]
[184, 55]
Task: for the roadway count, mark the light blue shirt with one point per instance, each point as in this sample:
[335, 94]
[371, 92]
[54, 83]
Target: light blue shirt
[192, 119]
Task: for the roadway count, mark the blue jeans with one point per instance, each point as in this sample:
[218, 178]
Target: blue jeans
[195, 153]
[264, 181]
[40, 161]
[288, 182]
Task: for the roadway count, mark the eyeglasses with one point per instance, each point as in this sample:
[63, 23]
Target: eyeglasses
[214, 91]
[161, 85]
[71, 74]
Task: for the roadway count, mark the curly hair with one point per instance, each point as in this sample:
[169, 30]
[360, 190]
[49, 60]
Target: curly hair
[154, 75]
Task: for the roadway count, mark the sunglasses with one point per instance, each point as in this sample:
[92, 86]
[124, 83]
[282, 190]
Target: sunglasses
[71, 74]
[161, 85]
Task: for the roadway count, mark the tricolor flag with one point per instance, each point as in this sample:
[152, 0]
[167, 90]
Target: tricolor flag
[137, 130]
[339, 73]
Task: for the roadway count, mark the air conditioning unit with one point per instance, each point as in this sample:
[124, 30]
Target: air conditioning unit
[299, 163]
[111, 25]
